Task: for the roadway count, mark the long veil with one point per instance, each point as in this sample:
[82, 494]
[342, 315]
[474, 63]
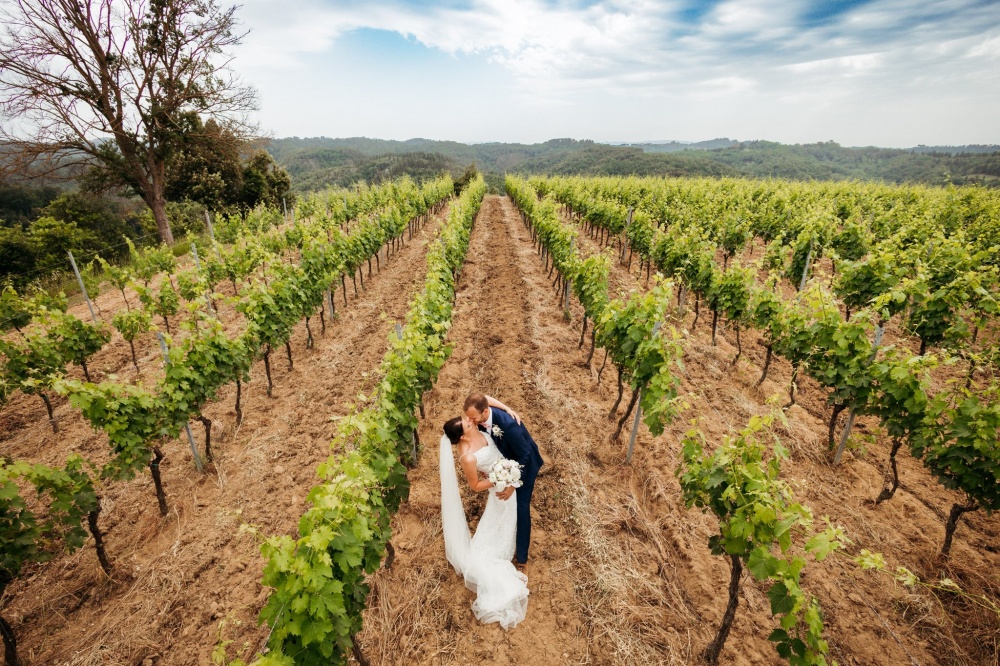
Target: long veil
[453, 522]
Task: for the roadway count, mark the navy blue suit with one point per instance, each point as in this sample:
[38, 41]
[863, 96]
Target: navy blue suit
[516, 444]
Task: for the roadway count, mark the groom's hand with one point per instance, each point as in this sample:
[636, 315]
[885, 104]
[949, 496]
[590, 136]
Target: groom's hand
[506, 493]
[514, 415]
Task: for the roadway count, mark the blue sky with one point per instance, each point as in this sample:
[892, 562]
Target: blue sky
[859, 72]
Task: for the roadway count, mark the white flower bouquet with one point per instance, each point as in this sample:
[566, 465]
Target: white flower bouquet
[505, 474]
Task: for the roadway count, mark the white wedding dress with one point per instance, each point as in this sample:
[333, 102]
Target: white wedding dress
[484, 559]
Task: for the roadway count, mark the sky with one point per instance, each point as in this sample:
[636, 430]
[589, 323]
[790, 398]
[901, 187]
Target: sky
[894, 73]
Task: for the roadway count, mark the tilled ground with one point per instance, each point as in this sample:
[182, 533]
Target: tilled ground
[184, 583]
[621, 571]
[870, 619]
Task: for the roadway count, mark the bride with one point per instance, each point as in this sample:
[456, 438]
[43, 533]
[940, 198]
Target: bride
[484, 559]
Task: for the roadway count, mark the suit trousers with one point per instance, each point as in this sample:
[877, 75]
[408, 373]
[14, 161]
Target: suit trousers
[524, 517]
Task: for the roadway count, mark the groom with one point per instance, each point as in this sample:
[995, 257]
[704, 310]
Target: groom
[515, 444]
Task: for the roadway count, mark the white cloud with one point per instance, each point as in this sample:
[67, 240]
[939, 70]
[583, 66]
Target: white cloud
[757, 57]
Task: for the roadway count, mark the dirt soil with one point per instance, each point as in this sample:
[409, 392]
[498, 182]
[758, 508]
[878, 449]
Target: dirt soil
[183, 583]
[620, 569]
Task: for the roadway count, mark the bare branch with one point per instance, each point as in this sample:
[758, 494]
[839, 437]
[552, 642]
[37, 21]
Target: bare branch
[106, 84]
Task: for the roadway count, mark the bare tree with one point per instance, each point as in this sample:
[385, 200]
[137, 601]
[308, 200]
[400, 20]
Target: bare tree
[106, 84]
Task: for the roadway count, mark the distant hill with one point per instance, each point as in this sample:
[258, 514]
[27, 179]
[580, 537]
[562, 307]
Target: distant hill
[320, 161]
[677, 146]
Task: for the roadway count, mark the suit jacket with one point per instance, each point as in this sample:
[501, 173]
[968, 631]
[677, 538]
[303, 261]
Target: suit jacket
[515, 443]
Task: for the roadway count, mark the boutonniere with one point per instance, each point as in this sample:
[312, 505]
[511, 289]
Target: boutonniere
[497, 432]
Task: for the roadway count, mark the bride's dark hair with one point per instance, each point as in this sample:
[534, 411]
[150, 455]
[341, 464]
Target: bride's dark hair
[453, 429]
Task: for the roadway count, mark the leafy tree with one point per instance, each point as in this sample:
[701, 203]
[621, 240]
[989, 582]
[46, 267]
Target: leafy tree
[32, 365]
[131, 324]
[52, 239]
[17, 255]
[76, 339]
[28, 536]
[756, 513]
[962, 452]
[132, 419]
[264, 182]
[207, 167]
[111, 91]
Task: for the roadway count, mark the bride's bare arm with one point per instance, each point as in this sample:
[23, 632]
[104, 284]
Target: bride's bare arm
[472, 474]
[499, 405]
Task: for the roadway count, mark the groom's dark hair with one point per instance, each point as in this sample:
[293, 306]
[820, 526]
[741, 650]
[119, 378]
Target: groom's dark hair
[453, 429]
[477, 400]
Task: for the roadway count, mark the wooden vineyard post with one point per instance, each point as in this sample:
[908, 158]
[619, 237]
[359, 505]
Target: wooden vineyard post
[187, 424]
[638, 414]
[805, 271]
[850, 416]
[79, 280]
[211, 234]
[197, 266]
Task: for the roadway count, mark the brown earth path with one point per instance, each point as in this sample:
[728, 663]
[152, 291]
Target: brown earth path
[177, 578]
[510, 341]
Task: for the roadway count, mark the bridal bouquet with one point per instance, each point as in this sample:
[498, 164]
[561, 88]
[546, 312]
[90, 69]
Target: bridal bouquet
[505, 473]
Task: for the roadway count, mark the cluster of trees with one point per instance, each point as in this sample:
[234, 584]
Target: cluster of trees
[130, 101]
[93, 221]
[343, 167]
[719, 157]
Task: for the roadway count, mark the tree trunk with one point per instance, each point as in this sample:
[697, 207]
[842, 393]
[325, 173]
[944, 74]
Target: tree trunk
[128, 308]
[267, 370]
[158, 204]
[166, 322]
[239, 410]
[9, 644]
[767, 364]
[621, 390]
[358, 655]
[923, 347]
[134, 361]
[309, 335]
[889, 491]
[739, 345]
[154, 469]
[837, 409]
[95, 531]
[343, 283]
[354, 279]
[628, 413]
[207, 422]
[86, 372]
[583, 332]
[288, 351]
[715, 324]
[791, 388]
[48, 408]
[601, 371]
[949, 531]
[322, 319]
[715, 647]
[593, 344]
[697, 311]
[390, 555]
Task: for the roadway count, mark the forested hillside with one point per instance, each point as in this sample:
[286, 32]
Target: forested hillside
[320, 161]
